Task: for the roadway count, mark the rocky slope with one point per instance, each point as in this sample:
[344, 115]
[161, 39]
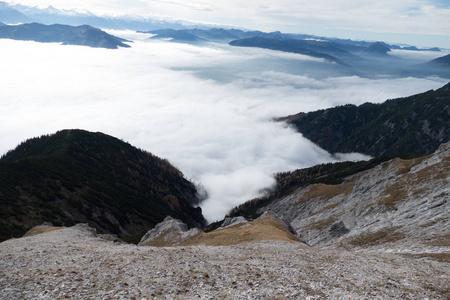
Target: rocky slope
[75, 176]
[79, 265]
[399, 206]
[415, 124]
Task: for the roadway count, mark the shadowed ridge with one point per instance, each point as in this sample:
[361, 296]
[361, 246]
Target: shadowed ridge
[75, 176]
[83, 35]
[415, 124]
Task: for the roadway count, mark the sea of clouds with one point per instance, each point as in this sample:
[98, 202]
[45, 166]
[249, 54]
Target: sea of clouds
[207, 108]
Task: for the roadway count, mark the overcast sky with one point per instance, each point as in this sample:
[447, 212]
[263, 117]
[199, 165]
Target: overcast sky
[416, 22]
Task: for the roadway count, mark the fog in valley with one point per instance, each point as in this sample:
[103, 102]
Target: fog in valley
[207, 108]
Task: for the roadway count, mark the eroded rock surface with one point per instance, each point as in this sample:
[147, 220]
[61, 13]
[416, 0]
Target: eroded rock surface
[73, 263]
[399, 206]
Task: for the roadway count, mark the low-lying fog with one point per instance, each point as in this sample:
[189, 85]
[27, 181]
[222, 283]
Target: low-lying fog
[208, 109]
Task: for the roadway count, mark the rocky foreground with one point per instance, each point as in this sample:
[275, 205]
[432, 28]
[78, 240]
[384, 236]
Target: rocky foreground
[75, 263]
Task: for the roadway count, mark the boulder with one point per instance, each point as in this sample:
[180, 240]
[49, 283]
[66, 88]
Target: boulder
[169, 232]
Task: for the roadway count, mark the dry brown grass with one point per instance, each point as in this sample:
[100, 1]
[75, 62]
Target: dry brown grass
[40, 229]
[396, 193]
[328, 191]
[385, 235]
[431, 172]
[261, 230]
[321, 224]
[440, 241]
[406, 165]
[440, 257]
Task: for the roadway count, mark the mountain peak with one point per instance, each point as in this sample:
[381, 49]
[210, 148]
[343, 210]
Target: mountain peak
[378, 48]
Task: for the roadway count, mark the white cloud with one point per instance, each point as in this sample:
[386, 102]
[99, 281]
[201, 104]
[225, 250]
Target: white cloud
[158, 96]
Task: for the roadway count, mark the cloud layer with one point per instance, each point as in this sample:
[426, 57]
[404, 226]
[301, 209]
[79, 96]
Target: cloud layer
[164, 98]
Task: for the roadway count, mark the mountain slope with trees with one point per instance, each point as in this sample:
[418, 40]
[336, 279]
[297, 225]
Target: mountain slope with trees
[415, 124]
[75, 176]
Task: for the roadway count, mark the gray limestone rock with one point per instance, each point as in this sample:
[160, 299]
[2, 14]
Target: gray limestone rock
[233, 221]
[171, 231]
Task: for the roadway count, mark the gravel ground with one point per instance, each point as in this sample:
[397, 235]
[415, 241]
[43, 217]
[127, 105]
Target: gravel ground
[74, 263]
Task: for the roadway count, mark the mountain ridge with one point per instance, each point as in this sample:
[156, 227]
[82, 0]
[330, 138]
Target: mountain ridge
[83, 35]
[75, 176]
[396, 126]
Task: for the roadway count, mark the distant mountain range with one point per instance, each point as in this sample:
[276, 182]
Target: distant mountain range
[14, 14]
[350, 58]
[84, 35]
[360, 58]
[415, 124]
[76, 176]
[17, 13]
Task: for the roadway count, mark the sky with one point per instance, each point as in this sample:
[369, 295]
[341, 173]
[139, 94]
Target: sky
[423, 23]
[208, 109]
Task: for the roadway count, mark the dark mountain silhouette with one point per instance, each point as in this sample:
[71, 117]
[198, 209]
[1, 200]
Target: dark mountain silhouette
[292, 46]
[415, 124]
[75, 176]
[378, 48]
[414, 48]
[175, 35]
[220, 34]
[443, 61]
[68, 35]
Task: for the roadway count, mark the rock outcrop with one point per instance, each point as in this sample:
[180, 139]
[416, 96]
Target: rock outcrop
[229, 221]
[170, 232]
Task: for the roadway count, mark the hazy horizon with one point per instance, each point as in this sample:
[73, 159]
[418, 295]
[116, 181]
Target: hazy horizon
[423, 23]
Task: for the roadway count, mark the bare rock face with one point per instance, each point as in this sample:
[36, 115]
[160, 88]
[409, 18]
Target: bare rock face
[233, 221]
[170, 232]
[400, 206]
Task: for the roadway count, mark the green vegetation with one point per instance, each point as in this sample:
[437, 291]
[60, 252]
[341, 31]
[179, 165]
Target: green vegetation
[415, 124]
[76, 176]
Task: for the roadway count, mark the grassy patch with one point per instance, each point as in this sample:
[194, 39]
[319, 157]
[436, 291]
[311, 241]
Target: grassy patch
[440, 257]
[396, 193]
[261, 230]
[41, 229]
[376, 238]
[321, 224]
